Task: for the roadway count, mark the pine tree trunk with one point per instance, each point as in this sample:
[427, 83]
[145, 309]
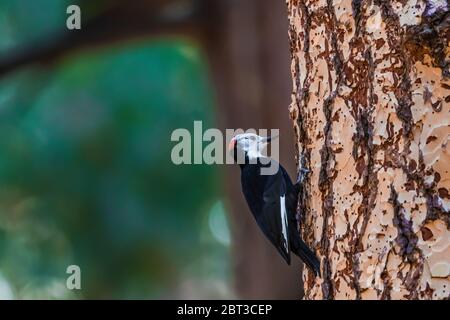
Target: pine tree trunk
[370, 108]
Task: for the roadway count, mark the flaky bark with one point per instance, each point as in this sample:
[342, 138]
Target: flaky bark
[370, 108]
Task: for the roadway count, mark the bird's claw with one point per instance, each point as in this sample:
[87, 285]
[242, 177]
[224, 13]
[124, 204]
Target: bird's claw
[302, 174]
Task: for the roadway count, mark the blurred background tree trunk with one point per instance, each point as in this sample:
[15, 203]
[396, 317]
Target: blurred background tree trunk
[370, 110]
[248, 48]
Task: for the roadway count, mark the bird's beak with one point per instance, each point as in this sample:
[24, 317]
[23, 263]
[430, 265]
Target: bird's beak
[268, 139]
[232, 144]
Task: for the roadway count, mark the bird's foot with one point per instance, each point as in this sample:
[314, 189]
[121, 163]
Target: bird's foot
[302, 175]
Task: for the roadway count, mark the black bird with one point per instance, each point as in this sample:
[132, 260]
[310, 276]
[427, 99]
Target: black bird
[271, 197]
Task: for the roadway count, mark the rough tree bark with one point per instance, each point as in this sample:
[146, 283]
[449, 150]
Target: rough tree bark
[370, 108]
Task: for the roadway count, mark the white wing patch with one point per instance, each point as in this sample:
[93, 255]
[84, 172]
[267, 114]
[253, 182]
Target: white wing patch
[284, 222]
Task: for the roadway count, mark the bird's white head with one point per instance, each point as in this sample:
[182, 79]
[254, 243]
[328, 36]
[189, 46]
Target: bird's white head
[249, 145]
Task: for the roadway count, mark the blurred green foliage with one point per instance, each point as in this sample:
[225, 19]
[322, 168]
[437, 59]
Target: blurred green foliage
[86, 176]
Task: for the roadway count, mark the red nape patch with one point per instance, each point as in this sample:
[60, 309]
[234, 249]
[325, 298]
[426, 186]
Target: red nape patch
[232, 144]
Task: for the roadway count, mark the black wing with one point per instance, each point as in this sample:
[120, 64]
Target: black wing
[266, 197]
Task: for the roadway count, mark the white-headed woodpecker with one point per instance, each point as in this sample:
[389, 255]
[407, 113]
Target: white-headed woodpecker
[272, 199]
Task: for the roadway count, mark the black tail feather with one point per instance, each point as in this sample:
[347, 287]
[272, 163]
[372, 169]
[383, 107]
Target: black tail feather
[307, 256]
